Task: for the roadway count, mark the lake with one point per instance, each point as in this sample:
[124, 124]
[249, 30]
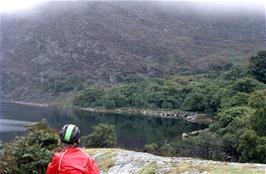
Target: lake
[133, 131]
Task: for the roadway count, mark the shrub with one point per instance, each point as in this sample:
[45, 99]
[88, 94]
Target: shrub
[30, 153]
[166, 150]
[257, 66]
[103, 135]
[151, 148]
[252, 147]
[206, 145]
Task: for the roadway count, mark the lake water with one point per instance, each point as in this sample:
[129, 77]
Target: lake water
[133, 131]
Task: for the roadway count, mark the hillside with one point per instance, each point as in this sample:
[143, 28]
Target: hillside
[117, 161]
[63, 46]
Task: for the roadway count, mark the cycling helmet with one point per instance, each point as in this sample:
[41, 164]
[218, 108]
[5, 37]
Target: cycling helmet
[69, 134]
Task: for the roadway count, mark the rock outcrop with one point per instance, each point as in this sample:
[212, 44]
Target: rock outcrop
[117, 161]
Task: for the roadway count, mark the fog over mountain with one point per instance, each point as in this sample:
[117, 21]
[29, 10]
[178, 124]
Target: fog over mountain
[80, 43]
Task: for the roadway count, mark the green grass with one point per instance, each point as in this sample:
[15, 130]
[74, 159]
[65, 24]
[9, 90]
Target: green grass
[147, 169]
[235, 170]
[216, 168]
[106, 158]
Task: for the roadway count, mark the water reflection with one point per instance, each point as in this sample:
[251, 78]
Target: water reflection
[7, 125]
[133, 131]
[10, 128]
[13, 122]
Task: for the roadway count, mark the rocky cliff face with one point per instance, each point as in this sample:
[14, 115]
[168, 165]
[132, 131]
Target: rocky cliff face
[62, 46]
[117, 161]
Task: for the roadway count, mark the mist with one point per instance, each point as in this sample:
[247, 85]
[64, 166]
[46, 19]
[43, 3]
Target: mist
[201, 6]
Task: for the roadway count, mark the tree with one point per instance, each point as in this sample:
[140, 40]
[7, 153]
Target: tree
[257, 66]
[211, 102]
[235, 72]
[229, 145]
[245, 84]
[252, 147]
[231, 120]
[229, 125]
[240, 99]
[194, 101]
[258, 120]
[117, 97]
[215, 70]
[154, 95]
[167, 104]
[107, 103]
[103, 135]
[89, 96]
[203, 98]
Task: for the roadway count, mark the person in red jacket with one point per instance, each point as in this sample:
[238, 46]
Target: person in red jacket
[71, 160]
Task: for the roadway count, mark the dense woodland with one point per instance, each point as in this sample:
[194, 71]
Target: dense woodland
[234, 96]
[223, 87]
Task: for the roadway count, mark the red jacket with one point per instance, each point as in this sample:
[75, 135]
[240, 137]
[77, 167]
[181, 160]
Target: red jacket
[72, 161]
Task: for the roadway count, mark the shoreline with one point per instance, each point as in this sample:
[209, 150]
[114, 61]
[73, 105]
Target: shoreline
[192, 117]
[26, 103]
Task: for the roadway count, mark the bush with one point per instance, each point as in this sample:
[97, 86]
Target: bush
[166, 150]
[257, 66]
[30, 153]
[151, 148]
[252, 147]
[206, 145]
[103, 135]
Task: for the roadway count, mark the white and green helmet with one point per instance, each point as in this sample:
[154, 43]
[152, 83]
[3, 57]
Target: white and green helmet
[69, 134]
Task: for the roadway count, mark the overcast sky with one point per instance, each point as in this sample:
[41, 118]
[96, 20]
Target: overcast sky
[18, 5]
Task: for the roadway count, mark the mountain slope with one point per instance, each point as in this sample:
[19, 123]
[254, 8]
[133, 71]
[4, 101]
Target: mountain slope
[64, 46]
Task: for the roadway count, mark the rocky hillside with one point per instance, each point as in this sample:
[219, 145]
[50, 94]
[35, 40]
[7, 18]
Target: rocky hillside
[116, 161]
[63, 46]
